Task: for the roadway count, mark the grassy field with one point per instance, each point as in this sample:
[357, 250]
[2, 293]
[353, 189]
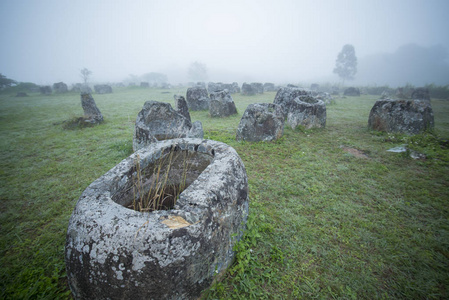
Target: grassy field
[332, 213]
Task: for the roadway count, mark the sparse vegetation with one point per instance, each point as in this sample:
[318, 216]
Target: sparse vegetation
[323, 223]
[159, 186]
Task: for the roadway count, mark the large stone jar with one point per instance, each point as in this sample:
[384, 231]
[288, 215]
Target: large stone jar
[404, 116]
[170, 252]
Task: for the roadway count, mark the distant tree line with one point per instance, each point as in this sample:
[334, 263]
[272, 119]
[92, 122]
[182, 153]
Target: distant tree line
[6, 82]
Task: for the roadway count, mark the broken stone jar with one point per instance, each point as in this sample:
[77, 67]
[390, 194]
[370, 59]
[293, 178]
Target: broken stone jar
[159, 225]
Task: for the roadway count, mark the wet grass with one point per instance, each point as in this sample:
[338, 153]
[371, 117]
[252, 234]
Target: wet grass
[323, 222]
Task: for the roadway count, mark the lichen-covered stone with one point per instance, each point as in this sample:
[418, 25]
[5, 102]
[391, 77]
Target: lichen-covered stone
[159, 121]
[91, 112]
[60, 87]
[45, 90]
[307, 111]
[221, 104]
[285, 96]
[261, 122]
[269, 87]
[247, 89]
[257, 87]
[103, 89]
[197, 98]
[214, 87]
[405, 116]
[113, 252]
[352, 91]
[181, 106]
[421, 93]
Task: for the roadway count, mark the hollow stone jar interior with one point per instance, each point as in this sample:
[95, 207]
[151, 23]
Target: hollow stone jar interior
[156, 185]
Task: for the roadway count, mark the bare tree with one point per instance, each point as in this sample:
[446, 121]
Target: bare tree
[85, 74]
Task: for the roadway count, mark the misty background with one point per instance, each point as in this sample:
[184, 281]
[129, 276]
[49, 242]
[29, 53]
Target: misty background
[285, 41]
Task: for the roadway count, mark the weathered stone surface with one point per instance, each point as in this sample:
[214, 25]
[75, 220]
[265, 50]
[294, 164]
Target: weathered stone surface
[257, 87]
[405, 116]
[113, 252]
[221, 104]
[81, 88]
[103, 89]
[285, 96]
[45, 90]
[91, 112]
[269, 87]
[325, 97]
[159, 121]
[261, 122]
[197, 98]
[235, 87]
[307, 111]
[247, 89]
[214, 86]
[144, 84]
[181, 106]
[60, 87]
[352, 91]
[421, 93]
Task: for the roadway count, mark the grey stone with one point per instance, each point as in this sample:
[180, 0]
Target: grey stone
[221, 104]
[181, 106]
[197, 98]
[213, 87]
[269, 87]
[405, 116]
[91, 112]
[247, 89]
[261, 122]
[159, 121]
[307, 111]
[21, 94]
[81, 88]
[421, 93]
[144, 84]
[103, 89]
[45, 90]
[114, 252]
[235, 87]
[285, 96]
[60, 87]
[352, 91]
[257, 87]
[325, 97]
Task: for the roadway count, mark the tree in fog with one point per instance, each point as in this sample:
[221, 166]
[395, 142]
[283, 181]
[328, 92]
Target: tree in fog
[346, 63]
[5, 81]
[85, 75]
[197, 71]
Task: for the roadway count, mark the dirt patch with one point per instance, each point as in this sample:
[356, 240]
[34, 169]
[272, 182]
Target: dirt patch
[356, 152]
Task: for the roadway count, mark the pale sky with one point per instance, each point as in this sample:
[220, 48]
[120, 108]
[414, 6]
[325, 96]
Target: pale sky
[284, 40]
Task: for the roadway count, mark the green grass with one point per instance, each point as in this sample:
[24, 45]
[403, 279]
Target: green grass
[323, 222]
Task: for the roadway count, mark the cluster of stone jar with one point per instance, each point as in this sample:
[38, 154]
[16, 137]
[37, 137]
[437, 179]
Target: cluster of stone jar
[114, 251]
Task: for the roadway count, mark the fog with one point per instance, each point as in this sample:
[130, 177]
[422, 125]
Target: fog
[276, 41]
